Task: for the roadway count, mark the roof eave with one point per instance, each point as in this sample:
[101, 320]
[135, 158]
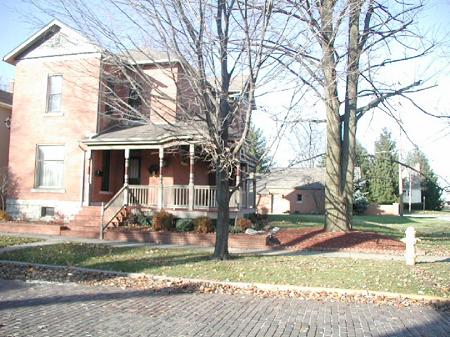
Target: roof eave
[11, 57]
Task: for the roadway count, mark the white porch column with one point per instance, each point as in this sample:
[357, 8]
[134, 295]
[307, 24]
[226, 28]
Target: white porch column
[191, 176]
[88, 179]
[161, 185]
[238, 184]
[125, 178]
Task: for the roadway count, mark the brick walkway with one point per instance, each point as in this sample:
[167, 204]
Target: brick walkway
[42, 309]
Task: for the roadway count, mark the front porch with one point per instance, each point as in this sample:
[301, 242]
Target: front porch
[155, 174]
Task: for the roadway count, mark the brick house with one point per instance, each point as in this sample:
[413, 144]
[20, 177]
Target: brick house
[5, 118]
[291, 190]
[72, 160]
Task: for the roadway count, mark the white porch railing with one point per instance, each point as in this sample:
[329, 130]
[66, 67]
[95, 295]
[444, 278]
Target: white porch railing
[177, 196]
[143, 195]
[204, 197]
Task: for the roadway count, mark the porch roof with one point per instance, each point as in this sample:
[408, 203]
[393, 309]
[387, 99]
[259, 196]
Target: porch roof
[147, 134]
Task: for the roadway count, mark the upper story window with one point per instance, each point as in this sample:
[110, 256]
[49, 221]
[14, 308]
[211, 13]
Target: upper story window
[134, 99]
[49, 166]
[54, 93]
[299, 198]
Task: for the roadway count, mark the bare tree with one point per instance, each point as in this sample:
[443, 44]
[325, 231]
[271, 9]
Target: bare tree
[213, 52]
[344, 51]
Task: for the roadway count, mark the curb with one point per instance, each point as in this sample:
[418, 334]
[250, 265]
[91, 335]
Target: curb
[243, 285]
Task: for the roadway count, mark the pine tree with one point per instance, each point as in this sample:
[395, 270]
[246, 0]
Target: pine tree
[429, 181]
[258, 149]
[383, 185]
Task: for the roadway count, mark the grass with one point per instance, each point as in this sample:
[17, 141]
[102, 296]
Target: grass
[6, 241]
[434, 232]
[392, 276]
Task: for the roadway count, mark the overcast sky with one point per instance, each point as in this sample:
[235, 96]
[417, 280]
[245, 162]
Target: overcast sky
[431, 135]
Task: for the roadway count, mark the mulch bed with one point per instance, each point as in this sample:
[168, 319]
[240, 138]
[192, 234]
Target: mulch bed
[355, 241]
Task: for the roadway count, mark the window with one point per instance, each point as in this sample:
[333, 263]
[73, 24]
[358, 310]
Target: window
[54, 91]
[50, 166]
[106, 166]
[299, 198]
[134, 98]
[47, 211]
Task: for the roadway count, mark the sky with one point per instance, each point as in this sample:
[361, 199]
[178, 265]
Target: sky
[431, 135]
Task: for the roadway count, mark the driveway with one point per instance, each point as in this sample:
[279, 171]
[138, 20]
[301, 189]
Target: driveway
[47, 309]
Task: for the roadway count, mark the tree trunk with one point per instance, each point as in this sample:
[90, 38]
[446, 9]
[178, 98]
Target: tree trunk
[335, 213]
[351, 101]
[223, 213]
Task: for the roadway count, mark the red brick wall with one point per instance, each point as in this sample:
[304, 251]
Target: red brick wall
[30, 125]
[241, 241]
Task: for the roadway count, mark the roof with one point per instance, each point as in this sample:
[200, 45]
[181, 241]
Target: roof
[6, 97]
[291, 178]
[145, 134]
[149, 56]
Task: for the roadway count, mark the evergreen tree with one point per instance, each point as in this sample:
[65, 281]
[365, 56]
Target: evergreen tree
[429, 184]
[258, 149]
[361, 181]
[383, 187]
[363, 162]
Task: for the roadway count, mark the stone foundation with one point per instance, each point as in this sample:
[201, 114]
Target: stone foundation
[32, 209]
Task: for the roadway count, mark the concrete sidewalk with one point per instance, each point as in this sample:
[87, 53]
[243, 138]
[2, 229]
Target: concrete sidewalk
[50, 240]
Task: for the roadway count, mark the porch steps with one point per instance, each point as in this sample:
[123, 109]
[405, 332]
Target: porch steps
[86, 223]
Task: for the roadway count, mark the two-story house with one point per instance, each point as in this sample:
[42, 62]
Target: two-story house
[73, 160]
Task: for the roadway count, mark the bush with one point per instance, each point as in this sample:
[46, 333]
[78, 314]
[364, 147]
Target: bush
[203, 224]
[259, 220]
[143, 219]
[163, 220]
[244, 224]
[235, 230]
[184, 225]
[4, 216]
[360, 203]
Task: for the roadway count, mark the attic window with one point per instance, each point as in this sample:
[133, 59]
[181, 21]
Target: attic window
[299, 198]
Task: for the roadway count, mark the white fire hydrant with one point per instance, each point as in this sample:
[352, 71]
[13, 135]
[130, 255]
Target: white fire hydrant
[410, 240]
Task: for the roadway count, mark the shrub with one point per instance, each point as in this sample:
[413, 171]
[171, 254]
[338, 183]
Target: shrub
[184, 225]
[143, 219]
[203, 224]
[244, 224]
[163, 220]
[4, 216]
[259, 220]
[360, 202]
[235, 230]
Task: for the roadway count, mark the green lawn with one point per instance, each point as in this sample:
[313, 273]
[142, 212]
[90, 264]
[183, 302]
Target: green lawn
[434, 232]
[393, 276]
[6, 241]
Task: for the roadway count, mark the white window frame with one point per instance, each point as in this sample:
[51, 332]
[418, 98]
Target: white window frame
[37, 187]
[299, 201]
[47, 103]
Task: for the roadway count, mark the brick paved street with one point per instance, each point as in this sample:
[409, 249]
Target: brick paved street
[43, 309]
